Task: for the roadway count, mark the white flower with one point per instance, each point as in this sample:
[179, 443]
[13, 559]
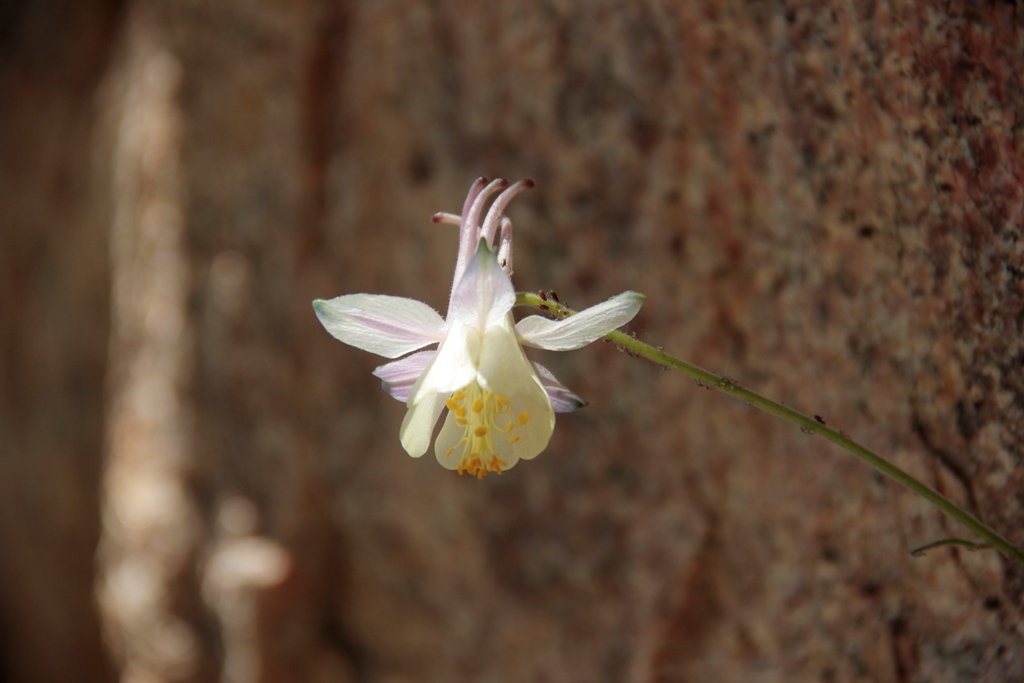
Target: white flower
[501, 407]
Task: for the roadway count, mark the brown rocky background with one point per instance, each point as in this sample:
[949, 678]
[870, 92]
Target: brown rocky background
[822, 200]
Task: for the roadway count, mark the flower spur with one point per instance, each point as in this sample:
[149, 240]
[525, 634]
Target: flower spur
[500, 406]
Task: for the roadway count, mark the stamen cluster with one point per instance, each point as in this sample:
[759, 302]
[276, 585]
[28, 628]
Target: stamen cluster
[484, 417]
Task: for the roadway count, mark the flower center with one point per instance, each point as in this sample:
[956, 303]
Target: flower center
[484, 417]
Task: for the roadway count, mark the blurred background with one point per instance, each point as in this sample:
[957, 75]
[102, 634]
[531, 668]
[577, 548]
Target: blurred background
[822, 200]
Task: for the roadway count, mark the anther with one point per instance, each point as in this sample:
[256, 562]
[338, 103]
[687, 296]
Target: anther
[523, 418]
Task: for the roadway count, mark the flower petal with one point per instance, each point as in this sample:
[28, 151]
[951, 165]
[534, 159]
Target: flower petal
[512, 421]
[389, 326]
[563, 399]
[503, 365]
[452, 368]
[398, 377]
[581, 329]
[484, 295]
[505, 246]
[493, 219]
[469, 228]
[506, 371]
[418, 424]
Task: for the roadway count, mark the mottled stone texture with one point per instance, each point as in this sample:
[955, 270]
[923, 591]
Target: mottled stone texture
[822, 200]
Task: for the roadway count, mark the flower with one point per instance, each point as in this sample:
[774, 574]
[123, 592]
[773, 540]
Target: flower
[500, 406]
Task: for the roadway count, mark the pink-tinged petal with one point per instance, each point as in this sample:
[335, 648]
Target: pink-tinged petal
[449, 218]
[581, 329]
[452, 368]
[418, 425]
[469, 230]
[398, 377]
[563, 399]
[490, 224]
[389, 326]
[484, 295]
[505, 246]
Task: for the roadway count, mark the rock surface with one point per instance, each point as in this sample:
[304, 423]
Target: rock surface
[822, 201]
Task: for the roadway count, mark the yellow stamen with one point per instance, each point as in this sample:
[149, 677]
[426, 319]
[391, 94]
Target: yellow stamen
[476, 411]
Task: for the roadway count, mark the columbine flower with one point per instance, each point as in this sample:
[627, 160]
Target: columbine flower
[500, 405]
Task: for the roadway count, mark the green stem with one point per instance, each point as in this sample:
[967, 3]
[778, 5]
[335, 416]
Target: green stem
[809, 425]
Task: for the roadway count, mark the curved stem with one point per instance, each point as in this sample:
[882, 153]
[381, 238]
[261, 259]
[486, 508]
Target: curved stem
[807, 424]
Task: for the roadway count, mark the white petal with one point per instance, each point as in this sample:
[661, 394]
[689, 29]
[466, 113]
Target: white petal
[534, 435]
[581, 329]
[399, 377]
[448, 445]
[418, 425]
[507, 372]
[521, 431]
[502, 361]
[453, 367]
[484, 295]
[389, 326]
[563, 399]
